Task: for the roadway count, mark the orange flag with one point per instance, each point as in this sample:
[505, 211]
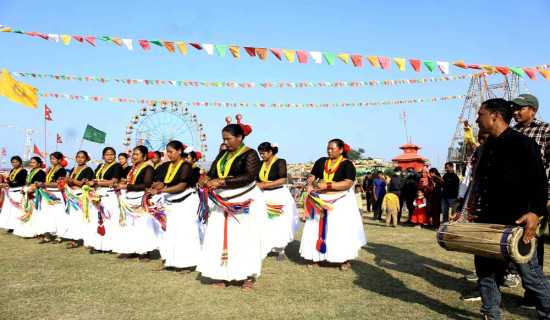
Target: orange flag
[117, 41]
[235, 51]
[169, 46]
[545, 73]
[373, 60]
[262, 53]
[415, 64]
[460, 64]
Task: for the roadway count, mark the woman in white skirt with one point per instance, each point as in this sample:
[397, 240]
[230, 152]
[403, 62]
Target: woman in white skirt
[77, 222]
[10, 211]
[233, 248]
[334, 229]
[26, 227]
[101, 238]
[47, 217]
[138, 234]
[281, 209]
[180, 246]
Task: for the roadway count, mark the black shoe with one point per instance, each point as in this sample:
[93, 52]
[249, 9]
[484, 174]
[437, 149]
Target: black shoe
[526, 304]
[472, 296]
[44, 241]
[94, 251]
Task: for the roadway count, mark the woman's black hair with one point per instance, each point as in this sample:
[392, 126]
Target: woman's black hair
[18, 158]
[266, 147]
[340, 144]
[177, 145]
[234, 130]
[193, 155]
[107, 149]
[125, 155]
[158, 154]
[143, 150]
[435, 171]
[57, 155]
[85, 155]
[37, 159]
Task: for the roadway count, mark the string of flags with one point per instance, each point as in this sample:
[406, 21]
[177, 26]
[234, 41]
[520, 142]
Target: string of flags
[262, 53]
[242, 104]
[219, 84]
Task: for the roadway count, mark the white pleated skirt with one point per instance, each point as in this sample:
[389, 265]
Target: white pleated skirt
[344, 231]
[141, 234]
[9, 216]
[180, 245]
[46, 216]
[75, 222]
[107, 241]
[26, 229]
[282, 229]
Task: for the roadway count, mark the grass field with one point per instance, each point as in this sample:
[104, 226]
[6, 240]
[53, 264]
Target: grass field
[401, 273]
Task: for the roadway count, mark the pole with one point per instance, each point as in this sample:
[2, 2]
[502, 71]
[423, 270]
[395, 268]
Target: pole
[45, 133]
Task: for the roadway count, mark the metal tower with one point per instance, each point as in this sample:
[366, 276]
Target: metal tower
[478, 92]
[28, 152]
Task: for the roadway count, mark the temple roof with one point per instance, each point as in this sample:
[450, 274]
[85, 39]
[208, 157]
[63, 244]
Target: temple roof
[410, 145]
[409, 157]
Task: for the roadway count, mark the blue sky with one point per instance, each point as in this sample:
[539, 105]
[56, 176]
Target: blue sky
[479, 32]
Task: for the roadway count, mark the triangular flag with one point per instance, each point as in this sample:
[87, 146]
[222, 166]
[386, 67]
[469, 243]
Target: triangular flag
[487, 67]
[55, 37]
[460, 64]
[104, 38]
[503, 70]
[79, 38]
[220, 49]
[182, 46]
[373, 60]
[443, 66]
[474, 66]
[235, 51]
[517, 71]
[415, 64]
[36, 151]
[6, 29]
[59, 139]
[430, 65]
[209, 48]
[344, 57]
[357, 60]
[302, 56]
[289, 54]
[400, 62]
[157, 42]
[317, 56]
[47, 112]
[251, 51]
[117, 41]
[545, 73]
[196, 45]
[276, 52]
[384, 62]
[144, 44]
[128, 44]
[329, 57]
[531, 73]
[66, 39]
[262, 53]
[169, 46]
[91, 40]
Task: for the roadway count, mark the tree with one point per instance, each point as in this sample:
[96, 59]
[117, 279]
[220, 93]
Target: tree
[354, 154]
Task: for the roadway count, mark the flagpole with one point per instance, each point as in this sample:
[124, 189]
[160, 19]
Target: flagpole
[405, 125]
[45, 132]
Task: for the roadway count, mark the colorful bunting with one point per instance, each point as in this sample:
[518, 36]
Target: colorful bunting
[443, 66]
[182, 46]
[235, 51]
[251, 51]
[262, 53]
[302, 56]
[195, 45]
[128, 44]
[460, 64]
[144, 44]
[531, 73]
[315, 55]
[90, 40]
[221, 49]
[209, 48]
[415, 64]
[329, 57]
[400, 62]
[503, 70]
[357, 60]
[430, 65]
[343, 56]
[289, 54]
[157, 42]
[384, 62]
[545, 73]
[373, 61]
[518, 71]
[169, 46]
[276, 53]
[66, 39]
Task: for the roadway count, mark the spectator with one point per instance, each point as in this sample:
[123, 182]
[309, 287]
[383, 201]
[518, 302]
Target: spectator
[419, 216]
[409, 190]
[395, 186]
[434, 213]
[449, 190]
[359, 198]
[367, 188]
[391, 206]
[379, 191]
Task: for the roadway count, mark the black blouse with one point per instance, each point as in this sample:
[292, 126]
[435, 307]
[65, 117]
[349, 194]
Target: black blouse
[19, 180]
[194, 178]
[244, 170]
[278, 170]
[125, 171]
[182, 175]
[346, 170]
[58, 174]
[143, 180]
[87, 173]
[40, 176]
[114, 172]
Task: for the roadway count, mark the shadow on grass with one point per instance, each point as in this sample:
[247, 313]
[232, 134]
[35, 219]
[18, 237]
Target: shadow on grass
[292, 252]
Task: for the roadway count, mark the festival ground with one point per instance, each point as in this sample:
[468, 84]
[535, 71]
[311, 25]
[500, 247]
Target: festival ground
[401, 273]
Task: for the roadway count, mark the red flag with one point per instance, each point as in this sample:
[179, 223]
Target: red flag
[4, 152]
[59, 139]
[47, 112]
[36, 151]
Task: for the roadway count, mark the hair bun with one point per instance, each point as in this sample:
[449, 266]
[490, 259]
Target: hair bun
[150, 155]
[43, 166]
[199, 155]
[347, 148]
[246, 128]
[64, 162]
[89, 159]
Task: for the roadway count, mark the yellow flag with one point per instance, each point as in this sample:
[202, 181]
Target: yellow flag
[235, 51]
[6, 29]
[373, 60]
[289, 54]
[66, 39]
[343, 56]
[400, 62]
[488, 68]
[182, 46]
[18, 91]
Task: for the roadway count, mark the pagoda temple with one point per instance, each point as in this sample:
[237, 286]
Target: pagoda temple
[410, 158]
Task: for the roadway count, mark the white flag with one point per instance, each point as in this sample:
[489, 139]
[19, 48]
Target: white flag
[317, 56]
[209, 48]
[54, 37]
[128, 43]
[443, 66]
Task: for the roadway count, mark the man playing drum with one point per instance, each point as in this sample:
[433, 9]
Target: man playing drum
[513, 190]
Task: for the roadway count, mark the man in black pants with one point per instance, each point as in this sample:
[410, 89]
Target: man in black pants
[396, 185]
[367, 187]
[409, 189]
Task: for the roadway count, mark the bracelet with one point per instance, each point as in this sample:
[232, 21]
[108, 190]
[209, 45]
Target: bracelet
[329, 185]
[263, 185]
[159, 191]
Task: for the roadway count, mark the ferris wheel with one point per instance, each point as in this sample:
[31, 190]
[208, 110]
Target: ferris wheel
[154, 126]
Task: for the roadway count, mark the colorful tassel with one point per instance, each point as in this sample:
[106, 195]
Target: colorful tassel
[274, 210]
[157, 210]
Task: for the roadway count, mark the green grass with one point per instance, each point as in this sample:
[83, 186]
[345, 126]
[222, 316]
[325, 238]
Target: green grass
[401, 273]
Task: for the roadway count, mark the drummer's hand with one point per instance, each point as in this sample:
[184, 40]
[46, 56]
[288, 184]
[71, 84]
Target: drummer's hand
[531, 222]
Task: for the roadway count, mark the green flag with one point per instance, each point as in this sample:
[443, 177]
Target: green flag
[329, 57]
[94, 135]
[430, 65]
[157, 42]
[221, 50]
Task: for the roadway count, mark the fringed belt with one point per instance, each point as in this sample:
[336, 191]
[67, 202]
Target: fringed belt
[314, 204]
[229, 208]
